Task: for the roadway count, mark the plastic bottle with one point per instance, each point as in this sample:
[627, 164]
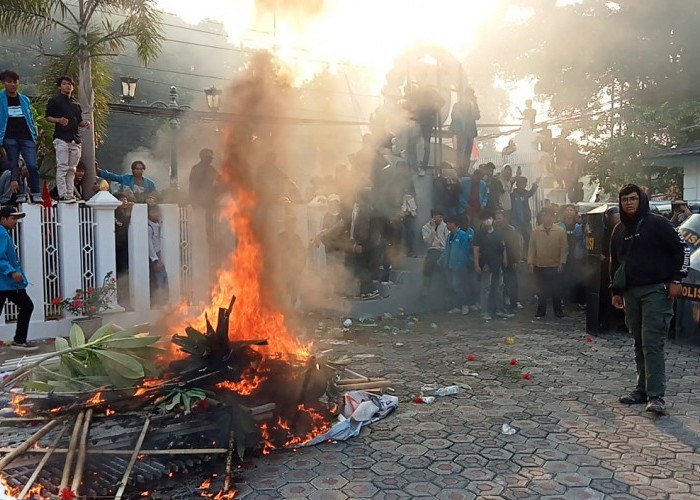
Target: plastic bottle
[446, 391]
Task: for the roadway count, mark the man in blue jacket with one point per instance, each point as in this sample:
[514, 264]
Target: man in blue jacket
[457, 255]
[136, 181]
[18, 133]
[13, 283]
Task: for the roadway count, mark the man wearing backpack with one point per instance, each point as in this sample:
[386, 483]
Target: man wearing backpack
[648, 260]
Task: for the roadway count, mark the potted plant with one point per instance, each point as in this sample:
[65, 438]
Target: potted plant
[87, 305]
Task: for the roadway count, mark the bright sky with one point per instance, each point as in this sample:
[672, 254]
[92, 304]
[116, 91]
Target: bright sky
[365, 32]
[347, 29]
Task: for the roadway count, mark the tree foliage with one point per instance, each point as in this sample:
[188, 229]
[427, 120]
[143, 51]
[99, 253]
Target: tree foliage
[96, 25]
[626, 70]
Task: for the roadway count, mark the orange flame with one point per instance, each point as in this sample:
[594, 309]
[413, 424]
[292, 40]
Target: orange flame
[246, 386]
[96, 399]
[17, 398]
[240, 275]
[13, 491]
[265, 434]
[147, 383]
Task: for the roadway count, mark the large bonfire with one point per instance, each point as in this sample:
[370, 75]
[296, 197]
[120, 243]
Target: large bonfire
[232, 368]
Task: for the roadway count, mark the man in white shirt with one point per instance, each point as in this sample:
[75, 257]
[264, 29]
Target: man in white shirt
[434, 234]
[506, 178]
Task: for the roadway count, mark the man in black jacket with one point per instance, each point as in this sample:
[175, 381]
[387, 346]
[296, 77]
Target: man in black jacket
[655, 260]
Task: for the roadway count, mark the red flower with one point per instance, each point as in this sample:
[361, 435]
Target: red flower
[77, 304]
[91, 289]
[589, 339]
[66, 494]
[56, 301]
[470, 357]
[526, 376]
[513, 361]
[78, 294]
[49, 341]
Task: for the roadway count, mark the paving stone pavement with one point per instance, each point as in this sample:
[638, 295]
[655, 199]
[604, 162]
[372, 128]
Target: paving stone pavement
[573, 440]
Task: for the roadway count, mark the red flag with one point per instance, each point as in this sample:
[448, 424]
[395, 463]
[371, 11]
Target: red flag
[476, 156]
[46, 200]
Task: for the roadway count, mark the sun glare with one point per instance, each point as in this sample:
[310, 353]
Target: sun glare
[367, 33]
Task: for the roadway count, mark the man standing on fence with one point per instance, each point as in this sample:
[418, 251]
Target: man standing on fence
[65, 113]
[18, 133]
[12, 280]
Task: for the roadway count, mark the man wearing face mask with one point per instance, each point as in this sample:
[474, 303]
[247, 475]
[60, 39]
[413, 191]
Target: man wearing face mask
[546, 258]
[489, 260]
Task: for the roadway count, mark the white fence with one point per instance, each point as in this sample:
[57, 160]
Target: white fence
[72, 246]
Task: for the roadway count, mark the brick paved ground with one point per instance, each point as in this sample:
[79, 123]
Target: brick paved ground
[573, 439]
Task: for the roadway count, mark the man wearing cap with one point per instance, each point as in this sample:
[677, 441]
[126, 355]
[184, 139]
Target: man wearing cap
[12, 280]
[680, 212]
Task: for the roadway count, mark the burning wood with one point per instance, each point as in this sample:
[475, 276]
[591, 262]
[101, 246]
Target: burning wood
[234, 394]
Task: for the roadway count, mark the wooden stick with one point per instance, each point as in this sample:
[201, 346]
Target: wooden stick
[102, 451]
[134, 456]
[355, 374]
[43, 461]
[348, 381]
[80, 464]
[365, 386]
[71, 450]
[229, 459]
[260, 409]
[29, 442]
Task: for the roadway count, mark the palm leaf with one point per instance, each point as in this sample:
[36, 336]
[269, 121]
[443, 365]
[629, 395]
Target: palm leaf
[61, 344]
[131, 343]
[127, 366]
[39, 386]
[102, 331]
[77, 337]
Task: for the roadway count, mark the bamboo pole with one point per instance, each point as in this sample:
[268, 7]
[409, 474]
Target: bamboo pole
[71, 450]
[102, 451]
[43, 461]
[365, 386]
[29, 442]
[80, 464]
[134, 456]
[349, 381]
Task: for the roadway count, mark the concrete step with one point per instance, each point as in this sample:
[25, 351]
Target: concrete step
[401, 295]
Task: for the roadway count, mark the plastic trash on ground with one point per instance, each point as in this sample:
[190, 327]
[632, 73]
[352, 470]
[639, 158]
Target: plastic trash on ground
[425, 399]
[355, 408]
[446, 391]
[507, 429]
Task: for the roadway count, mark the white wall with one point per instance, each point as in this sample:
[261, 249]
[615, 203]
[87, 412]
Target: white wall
[181, 230]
